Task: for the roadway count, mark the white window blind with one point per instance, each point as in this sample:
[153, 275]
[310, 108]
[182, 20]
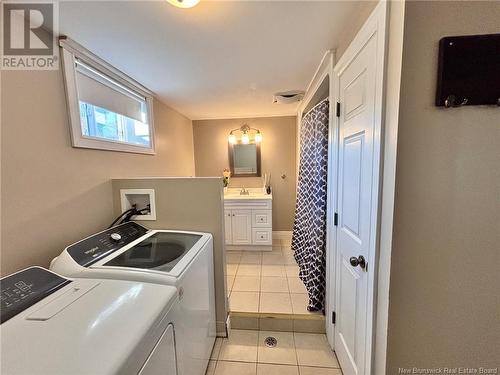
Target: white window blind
[96, 89]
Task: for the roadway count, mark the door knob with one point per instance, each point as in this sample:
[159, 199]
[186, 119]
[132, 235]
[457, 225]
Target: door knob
[359, 261]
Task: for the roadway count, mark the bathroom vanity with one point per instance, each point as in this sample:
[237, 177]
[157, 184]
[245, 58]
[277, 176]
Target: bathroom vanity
[248, 218]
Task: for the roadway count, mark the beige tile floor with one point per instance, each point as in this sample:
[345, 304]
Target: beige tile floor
[265, 282]
[245, 353]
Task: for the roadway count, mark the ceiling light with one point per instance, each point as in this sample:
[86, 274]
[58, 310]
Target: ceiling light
[184, 3]
[288, 97]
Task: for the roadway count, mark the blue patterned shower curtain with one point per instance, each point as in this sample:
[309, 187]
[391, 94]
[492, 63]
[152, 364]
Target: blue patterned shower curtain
[309, 230]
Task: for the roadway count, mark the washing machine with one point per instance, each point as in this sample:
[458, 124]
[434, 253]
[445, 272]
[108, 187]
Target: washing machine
[55, 325]
[178, 258]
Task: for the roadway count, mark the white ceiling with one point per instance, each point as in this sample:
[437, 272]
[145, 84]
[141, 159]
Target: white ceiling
[217, 60]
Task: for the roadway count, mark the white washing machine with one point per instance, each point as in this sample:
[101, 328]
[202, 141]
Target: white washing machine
[182, 259]
[58, 326]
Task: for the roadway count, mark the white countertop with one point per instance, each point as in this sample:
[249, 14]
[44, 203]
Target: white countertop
[255, 193]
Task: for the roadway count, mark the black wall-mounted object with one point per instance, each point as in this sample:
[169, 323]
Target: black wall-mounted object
[469, 71]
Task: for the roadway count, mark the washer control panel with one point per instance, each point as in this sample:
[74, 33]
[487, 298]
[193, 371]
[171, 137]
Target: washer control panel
[25, 288]
[93, 248]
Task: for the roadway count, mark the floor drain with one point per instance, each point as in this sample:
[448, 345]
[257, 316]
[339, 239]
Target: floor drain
[271, 342]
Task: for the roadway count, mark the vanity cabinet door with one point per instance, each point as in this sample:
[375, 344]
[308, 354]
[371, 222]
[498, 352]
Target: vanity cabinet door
[228, 226]
[241, 222]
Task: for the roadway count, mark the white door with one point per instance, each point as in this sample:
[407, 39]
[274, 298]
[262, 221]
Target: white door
[241, 222]
[359, 91]
[228, 227]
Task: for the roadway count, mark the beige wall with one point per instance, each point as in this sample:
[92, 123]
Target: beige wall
[278, 157]
[53, 194]
[365, 8]
[194, 204]
[444, 274]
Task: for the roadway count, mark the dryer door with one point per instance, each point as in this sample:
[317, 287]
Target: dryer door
[162, 359]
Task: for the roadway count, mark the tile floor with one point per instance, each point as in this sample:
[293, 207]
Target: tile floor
[245, 353]
[265, 282]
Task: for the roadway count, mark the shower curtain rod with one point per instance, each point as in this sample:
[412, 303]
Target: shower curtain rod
[317, 104]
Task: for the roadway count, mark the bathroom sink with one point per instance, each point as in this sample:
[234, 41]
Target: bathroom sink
[253, 193]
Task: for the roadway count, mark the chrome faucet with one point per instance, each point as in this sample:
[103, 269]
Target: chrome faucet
[244, 191]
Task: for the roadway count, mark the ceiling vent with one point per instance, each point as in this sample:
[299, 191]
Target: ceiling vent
[288, 97]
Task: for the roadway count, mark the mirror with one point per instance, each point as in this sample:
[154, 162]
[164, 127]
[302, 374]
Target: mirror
[244, 159]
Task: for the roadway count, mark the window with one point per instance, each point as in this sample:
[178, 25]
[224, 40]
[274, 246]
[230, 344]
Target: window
[107, 109]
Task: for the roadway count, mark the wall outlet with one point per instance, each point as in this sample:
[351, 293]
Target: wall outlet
[141, 198]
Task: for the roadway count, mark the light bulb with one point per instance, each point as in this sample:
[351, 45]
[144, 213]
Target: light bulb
[258, 137]
[245, 139]
[184, 3]
[232, 138]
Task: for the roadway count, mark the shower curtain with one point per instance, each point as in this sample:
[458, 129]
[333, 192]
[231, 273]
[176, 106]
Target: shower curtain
[309, 230]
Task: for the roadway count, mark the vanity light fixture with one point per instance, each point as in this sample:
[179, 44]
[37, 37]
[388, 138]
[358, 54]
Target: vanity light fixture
[258, 137]
[184, 3]
[245, 136]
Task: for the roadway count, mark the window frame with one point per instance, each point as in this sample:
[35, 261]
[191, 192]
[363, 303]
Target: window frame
[70, 53]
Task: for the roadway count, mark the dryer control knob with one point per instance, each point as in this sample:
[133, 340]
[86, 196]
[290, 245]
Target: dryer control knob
[116, 237]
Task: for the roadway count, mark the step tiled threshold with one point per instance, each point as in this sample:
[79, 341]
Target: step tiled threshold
[278, 322]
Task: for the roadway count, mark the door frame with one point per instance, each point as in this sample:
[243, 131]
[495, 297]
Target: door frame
[324, 71]
[375, 24]
[393, 15]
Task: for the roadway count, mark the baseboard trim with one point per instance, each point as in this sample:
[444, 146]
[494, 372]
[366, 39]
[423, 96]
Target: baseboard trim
[282, 235]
